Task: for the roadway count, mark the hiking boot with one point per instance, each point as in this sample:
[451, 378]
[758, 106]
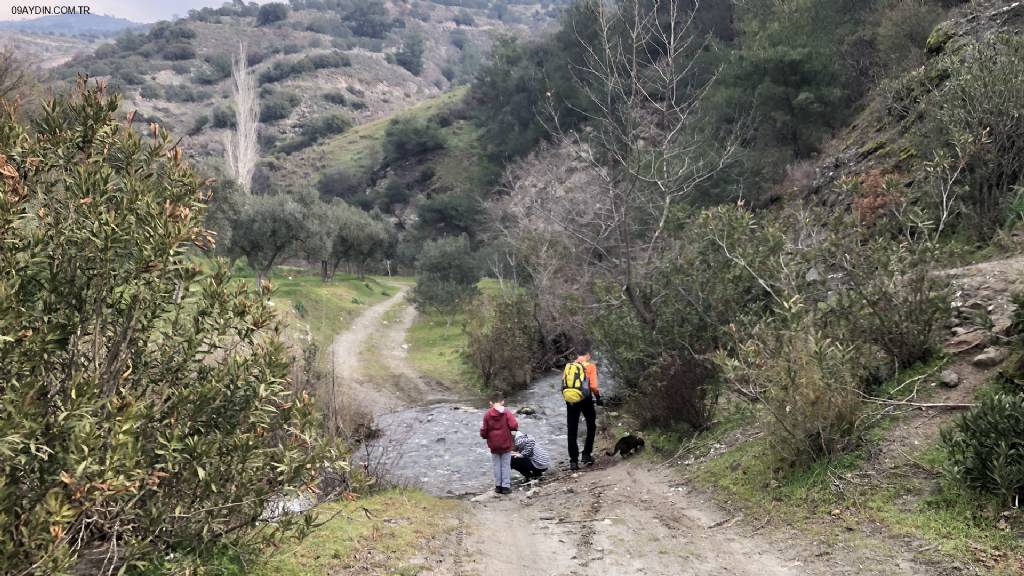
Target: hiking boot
[588, 460]
[573, 465]
[497, 490]
[505, 490]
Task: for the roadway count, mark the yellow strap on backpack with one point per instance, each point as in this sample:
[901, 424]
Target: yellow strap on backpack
[574, 382]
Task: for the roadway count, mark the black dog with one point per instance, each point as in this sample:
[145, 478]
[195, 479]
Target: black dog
[627, 444]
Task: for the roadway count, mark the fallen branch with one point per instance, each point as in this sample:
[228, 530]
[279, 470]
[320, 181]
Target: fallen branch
[587, 520]
[727, 522]
[915, 404]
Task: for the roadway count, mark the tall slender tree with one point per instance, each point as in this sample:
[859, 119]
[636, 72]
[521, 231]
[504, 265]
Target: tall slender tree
[241, 151]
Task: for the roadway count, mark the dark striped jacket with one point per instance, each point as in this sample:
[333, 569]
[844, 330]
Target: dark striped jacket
[529, 449]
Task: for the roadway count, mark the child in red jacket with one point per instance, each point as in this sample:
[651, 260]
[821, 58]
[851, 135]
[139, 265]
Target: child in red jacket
[497, 430]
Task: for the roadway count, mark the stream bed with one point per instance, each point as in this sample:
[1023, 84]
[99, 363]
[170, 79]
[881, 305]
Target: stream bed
[438, 447]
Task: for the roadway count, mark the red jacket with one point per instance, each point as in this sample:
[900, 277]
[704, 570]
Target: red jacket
[497, 430]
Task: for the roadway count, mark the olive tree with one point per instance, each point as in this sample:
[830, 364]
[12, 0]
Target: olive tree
[146, 420]
[446, 276]
[267, 229]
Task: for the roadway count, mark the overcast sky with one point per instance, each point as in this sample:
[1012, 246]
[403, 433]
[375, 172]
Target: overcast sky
[136, 10]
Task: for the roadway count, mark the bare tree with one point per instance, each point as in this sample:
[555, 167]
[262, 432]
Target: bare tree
[240, 147]
[13, 74]
[639, 77]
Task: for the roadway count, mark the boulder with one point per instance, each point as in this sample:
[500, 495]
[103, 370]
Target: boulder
[949, 379]
[989, 358]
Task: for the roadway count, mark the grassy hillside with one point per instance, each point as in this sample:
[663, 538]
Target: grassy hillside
[179, 73]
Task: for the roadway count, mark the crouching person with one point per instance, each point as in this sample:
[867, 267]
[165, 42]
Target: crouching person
[528, 458]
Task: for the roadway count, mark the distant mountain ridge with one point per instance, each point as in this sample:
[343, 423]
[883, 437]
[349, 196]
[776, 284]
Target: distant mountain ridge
[73, 25]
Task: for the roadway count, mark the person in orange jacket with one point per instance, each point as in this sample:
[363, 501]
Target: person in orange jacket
[591, 396]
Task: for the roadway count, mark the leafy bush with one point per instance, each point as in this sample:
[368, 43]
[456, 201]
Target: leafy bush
[151, 91]
[284, 69]
[329, 60]
[340, 183]
[325, 125]
[184, 93]
[335, 97]
[278, 105]
[271, 12]
[502, 340]
[810, 385]
[145, 414]
[408, 136]
[979, 110]
[410, 56]
[446, 276]
[892, 299]
[223, 117]
[218, 67]
[464, 18]
[707, 291]
[369, 19]
[450, 214]
[179, 51]
[198, 124]
[316, 129]
[986, 446]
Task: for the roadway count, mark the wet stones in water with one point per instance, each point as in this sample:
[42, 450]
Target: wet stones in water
[526, 411]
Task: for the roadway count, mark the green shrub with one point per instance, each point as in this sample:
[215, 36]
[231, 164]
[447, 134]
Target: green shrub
[810, 384]
[217, 68]
[369, 19]
[223, 117]
[502, 340]
[284, 69]
[335, 97]
[986, 446]
[447, 273]
[979, 110]
[410, 55]
[151, 91]
[340, 183]
[410, 136]
[198, 124]
[278, 105]
[145, 413]
[184, 93]
[326, 125]
[329, 60]
[271, 12]
[179, 51]
[892, 299]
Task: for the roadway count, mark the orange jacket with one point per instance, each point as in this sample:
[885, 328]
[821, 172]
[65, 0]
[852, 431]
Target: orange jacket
[591, 370]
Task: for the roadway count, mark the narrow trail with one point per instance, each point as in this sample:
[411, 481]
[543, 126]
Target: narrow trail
[373, 340]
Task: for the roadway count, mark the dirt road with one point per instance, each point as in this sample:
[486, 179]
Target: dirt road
[629, 519]
[374, 340]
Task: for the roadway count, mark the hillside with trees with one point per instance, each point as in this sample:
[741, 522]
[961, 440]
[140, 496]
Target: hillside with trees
[790, 230]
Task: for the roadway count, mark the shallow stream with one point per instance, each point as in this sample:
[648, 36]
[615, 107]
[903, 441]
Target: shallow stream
[438, 447]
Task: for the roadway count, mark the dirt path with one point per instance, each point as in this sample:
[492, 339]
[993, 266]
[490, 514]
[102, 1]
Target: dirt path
[371, 364]
[634, 519]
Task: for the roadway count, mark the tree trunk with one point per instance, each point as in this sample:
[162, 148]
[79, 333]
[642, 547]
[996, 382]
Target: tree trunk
[323, 271]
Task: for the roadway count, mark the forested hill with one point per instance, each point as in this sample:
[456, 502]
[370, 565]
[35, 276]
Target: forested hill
[321, 66]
